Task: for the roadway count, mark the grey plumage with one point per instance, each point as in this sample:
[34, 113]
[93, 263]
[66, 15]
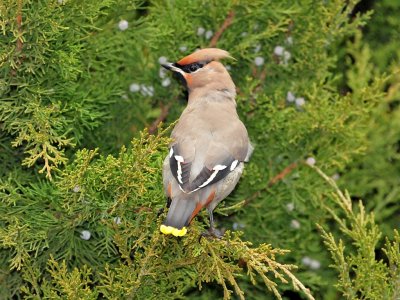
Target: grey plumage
[210, 143]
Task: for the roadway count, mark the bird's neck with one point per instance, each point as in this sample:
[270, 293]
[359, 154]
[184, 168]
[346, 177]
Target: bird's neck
[198, 96]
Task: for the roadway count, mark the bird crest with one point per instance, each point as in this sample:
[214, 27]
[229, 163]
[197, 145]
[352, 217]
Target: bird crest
[207, 54]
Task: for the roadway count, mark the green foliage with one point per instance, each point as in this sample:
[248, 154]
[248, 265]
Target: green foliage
[373, 176]
[68, 84]
[54, 64]
[212, 260]
[382, 33]
[92, 194]
[361, 274]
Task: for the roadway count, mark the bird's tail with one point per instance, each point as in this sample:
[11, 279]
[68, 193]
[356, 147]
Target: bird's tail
[179, 215]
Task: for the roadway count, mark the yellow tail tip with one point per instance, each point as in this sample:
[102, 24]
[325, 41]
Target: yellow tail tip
[172, 230]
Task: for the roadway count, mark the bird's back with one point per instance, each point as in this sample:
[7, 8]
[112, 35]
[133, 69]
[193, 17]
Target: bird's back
[207, 131]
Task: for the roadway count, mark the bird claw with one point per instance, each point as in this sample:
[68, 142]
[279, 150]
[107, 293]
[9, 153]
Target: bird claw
[212, 233]
[161, 210]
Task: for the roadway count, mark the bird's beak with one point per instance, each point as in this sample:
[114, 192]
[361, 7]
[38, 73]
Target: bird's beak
[168, 66]
[171, 67]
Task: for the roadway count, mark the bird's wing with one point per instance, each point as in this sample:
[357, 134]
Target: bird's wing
[206, 147]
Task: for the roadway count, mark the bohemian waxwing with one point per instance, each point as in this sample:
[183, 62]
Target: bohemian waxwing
[210, 143]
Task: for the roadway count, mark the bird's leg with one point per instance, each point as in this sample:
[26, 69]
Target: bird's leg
[161, 210]
[211, 216]
[212, 231]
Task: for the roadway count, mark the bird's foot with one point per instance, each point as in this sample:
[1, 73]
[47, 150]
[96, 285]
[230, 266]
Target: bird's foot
[161, 210]
[213, 232]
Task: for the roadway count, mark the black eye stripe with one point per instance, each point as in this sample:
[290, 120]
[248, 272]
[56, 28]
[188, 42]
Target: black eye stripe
[190, 67]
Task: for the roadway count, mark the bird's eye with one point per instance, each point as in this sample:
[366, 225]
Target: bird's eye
[194, 67]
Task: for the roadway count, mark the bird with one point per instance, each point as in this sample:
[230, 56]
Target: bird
[210, 144]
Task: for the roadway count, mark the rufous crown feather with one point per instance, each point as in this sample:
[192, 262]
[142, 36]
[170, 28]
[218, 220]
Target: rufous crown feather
[207, 54]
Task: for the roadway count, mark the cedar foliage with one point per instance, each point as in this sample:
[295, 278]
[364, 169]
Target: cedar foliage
[76, 156]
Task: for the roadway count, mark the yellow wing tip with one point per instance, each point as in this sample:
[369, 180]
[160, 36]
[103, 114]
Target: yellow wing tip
[172, 230]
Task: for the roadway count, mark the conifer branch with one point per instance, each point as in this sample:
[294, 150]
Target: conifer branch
[285, 172]
[361, 274]
[19, 26]
[259, 261]
[145, 269]
[19, 43]
[61, 66]
[222, 269]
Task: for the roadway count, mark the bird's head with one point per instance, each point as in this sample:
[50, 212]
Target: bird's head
[203, 72]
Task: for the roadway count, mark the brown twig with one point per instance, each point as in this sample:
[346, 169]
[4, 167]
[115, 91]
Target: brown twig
[286, 171]
[163, 115]
[224, 26]
[19, 44]
[261, 78]
[19, 25]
